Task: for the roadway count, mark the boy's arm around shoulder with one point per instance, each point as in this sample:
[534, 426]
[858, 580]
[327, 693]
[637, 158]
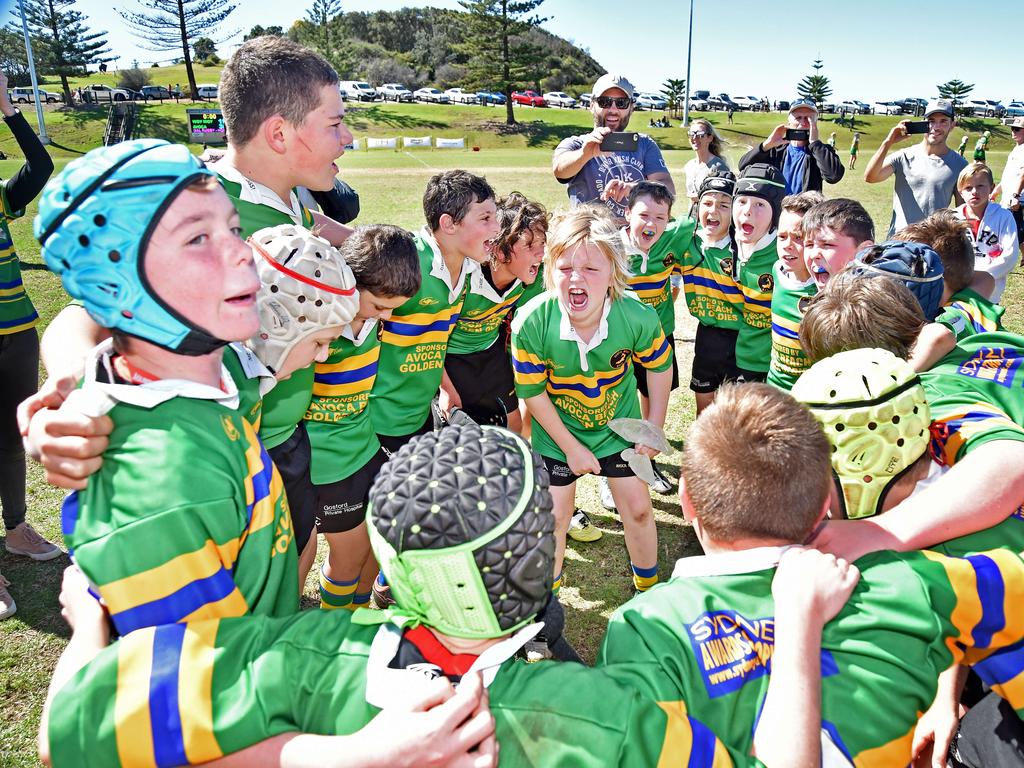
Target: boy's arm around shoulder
[934, 342]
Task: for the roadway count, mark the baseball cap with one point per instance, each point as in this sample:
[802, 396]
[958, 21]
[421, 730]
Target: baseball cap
[803, 103]
[939, 105]
[607, 81]
[1017, 122]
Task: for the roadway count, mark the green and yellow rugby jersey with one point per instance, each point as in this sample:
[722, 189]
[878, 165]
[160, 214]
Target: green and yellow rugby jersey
[338, 423]
[976, 395]
[186, 694]
[16, 310]
[756, 280]
[707, 637]
[187, 517]
[484, 309]
[589, 383]
[789, 301]
[651, 272]
[414, 341]
[712, 295]
[968, 312]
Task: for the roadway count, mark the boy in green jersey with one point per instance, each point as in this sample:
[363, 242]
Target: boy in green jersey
[793, 288]
[712, 295]
[834, 232]
[573, 353]
[346, 454]
[755, 215]
[477, 368]
[187, 694]
[460, 211]
[707, 635]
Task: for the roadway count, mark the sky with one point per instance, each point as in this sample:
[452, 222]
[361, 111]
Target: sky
[886, 49]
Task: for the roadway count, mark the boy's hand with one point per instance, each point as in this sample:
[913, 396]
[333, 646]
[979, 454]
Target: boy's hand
[581, 461]
[448, 398]
[813, 583]
[776, 138]
[646, 450]
[68, 444]
[83, 612]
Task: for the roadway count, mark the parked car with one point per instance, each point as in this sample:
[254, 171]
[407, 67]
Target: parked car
[358, 90]
[394, 92]
[529, 98]
[984, 108]
[747, 102]
[650, 101]
[887, 108]
[559, 99]
[26, 95]
[434, 95]
[782, 106]
[103, 93]
[155, 92]
[912, 105]
[1015, 109]
[701, 95]
[856, 107]
[491, 97]
[585, 100]
[722, 102]
[696, 104]
[208, 91]
[459, 96]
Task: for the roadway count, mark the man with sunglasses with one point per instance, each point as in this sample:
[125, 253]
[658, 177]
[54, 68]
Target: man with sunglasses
[806, 162]
[589, 172]
[1012, 183]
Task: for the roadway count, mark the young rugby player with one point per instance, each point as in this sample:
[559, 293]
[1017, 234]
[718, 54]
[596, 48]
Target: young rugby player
[755, 215]
[346, 454]
[992, 229]
[490, 543]
[793, 287]
[187, 516]
[706, 635]
[573, 353]
[834, 232]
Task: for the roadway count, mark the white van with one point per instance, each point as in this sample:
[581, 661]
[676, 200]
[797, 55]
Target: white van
[358, 90]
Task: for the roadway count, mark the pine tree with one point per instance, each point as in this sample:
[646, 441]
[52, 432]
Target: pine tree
[957, 90]
[63, 45]
[815, 87]
[674, 91]
[320, 14]
[171, 25]
[499, 55]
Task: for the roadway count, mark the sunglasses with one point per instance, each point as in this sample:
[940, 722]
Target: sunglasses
[697, 134]
[622, 102]
[1017, 128]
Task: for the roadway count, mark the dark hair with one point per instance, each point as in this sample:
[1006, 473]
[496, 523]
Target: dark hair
[843, 216]
[518, 217]
[802, 202]
[453, 192]
[383, 260]
[947, 236]
[268, 76]
[658, 192]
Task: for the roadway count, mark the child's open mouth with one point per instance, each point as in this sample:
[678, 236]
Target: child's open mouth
[820, 274]
[242, 300]
[747, 229]
[578, 299]
[711, 223]
[534, 269]
[647, 234]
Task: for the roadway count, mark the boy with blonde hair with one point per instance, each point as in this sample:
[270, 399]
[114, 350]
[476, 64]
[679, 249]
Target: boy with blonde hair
[991, 228]
[573, 353]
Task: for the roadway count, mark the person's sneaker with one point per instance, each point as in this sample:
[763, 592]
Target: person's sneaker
[380, 596]
[661, 483]
[7, 606]
[24, 540]
[581, 529]
[607, 500]
[537, 649]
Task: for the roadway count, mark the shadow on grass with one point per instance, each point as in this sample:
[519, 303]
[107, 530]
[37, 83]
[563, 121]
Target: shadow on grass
[35, 587]
[361, 118]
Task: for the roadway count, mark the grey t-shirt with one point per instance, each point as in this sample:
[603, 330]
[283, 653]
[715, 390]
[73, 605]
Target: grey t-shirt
[586, 186]
[924, 184]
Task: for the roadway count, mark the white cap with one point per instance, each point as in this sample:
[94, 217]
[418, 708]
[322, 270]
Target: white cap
[608, 81]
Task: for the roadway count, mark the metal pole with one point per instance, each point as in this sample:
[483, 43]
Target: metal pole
[689, 51]
[32, 73]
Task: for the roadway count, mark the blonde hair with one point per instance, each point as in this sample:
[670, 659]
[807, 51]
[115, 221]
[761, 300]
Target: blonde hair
[738, 465]
[973, 170]
[717, 145]
[592, 224]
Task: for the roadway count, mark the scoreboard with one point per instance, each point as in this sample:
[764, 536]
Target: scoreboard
[205, 126]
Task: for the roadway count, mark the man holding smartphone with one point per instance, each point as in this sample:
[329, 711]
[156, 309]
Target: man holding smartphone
[925, 173]
[797, 151]
[592, 173]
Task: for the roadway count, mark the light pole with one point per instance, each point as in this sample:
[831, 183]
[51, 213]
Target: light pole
[32, 73]
[689, 51]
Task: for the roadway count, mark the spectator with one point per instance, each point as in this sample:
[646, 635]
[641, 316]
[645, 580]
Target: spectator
[963, 145]
[1012, 184]
[730, 111]
[991, 228]
[804, 164]
[707, 145]
[853, 150]
[980, 146]
[580, 163]
[925, 173]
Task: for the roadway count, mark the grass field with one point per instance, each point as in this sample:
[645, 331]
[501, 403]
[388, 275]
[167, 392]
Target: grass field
[390, 185]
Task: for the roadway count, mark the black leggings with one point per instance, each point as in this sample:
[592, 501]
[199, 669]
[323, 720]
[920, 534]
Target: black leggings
[19, 378]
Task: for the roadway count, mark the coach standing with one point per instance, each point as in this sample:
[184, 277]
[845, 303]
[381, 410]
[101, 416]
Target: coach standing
[580, 163]
[925, 173]
[804, 164]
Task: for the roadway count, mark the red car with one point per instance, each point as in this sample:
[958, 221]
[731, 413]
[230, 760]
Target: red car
[529, 98]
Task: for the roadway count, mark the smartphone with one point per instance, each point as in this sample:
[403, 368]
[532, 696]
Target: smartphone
[797, 134]
[620, 141]
[917, 126]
